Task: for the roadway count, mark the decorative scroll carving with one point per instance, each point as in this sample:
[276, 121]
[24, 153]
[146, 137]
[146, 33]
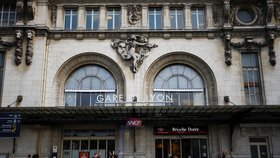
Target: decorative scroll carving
[134, 49]
[228, 55]
[18, 50]
[53, 15]
[29, 48]
[6, 43]
[134, 14]
[249, 44]
[271, 50]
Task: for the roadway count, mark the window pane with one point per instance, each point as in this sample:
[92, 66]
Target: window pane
[111, 147]
[102, 148]
[84, 144]
[166, 148]
[85, 99]
[254, 151]
[74, 22]
[263, 151]
[70, 99]
[93, 147]
[66, 148]
[159, 148]
[75, 148]
[151, 22]
[203, 148]
[186, 148]
[195, 148]
[67, 23]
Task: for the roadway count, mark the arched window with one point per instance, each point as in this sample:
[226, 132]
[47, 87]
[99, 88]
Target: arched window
[90, 85]
[179, 85]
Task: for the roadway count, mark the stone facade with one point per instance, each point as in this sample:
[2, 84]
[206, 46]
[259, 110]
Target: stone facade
[37, 67]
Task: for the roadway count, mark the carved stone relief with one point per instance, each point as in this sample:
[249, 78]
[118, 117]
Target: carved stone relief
[29, 48]
[25, 10]
[256, 11]
[134, 49]
[249, 44]
[134, 13]
[53, 15]
[18, 50]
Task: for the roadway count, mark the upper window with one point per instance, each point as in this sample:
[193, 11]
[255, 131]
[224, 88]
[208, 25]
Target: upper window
[114, 19]
[198, 18]
[179, 85]
[251, 78]
[70, 19]
[155, 18]
[246, 15]
[176, 18]
[90, 85]
[92, 19]
[7, 15]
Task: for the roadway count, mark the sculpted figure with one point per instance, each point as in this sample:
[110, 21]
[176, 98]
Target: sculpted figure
[133, 49]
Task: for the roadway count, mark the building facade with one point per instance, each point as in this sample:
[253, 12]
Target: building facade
[141, 79]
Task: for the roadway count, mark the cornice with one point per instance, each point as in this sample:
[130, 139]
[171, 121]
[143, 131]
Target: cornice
[165, 34]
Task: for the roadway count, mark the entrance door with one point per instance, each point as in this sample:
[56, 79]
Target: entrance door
[181, 148]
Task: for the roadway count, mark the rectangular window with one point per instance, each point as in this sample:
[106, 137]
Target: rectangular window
[176, 19]
[2, 59]
[181, 148]
[7, 15]
[76, 141]
[70, 19]
[113, 19]
[92, 19]
[251, 78]
[198, 18]
[155, 18]
[259, 147]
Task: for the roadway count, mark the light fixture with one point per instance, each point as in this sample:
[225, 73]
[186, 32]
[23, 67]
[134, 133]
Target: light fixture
[226, 100]
[18, 100]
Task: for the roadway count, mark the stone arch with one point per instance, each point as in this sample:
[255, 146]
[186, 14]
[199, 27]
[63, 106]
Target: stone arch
[187, 59]
[86, 59]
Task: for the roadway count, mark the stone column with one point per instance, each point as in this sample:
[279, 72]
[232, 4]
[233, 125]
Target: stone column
[188, 17]
[59, 18]
[166, 17]
[145, 24]
[209, 16]
[81, 18]
[124, 17]
[103, 18]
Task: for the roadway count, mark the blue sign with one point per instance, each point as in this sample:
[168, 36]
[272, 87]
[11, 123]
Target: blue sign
[10, 124]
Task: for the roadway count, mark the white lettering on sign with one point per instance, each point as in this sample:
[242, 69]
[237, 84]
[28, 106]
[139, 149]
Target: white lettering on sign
[182, 129]
[119, 98]
[134, 122]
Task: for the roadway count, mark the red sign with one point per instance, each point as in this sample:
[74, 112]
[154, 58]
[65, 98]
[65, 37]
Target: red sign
[134, 122]
[84, 155]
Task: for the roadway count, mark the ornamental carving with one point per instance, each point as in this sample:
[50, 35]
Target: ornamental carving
[29, 48]
[25, 10]
[134, 50]
[250, 44]
[53, 15]
[134, 14]
[18, 49]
